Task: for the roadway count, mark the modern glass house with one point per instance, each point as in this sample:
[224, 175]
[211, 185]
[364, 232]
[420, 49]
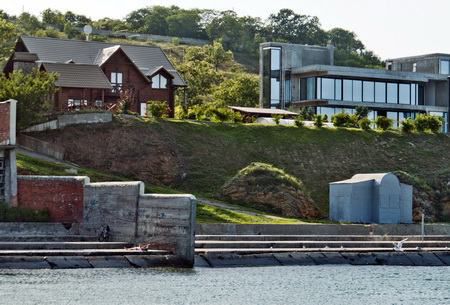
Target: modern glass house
[295, 76]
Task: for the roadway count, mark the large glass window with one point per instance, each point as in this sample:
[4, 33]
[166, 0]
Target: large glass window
[310, 88]
[414, 94]
[444, 66]
[348, 90]
[380, 92]
[368, 91]
[357, 91]
[392, 93]
[394, 117]
[116, 81]
[272, 77]
[274, 91]
[404, 93]
[338, 90]
[275, 59]
[328, 88]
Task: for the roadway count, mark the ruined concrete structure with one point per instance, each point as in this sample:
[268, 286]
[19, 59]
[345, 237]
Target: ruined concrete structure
[371, 198]
[8, 170]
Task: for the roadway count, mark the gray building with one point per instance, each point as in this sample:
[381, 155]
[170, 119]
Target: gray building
[301, 75]
[371, 198]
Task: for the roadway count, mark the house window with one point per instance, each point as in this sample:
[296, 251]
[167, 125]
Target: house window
[159, 82]
[116, 81]
[76, 104]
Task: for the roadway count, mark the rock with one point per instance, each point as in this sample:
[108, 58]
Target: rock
[271, 189]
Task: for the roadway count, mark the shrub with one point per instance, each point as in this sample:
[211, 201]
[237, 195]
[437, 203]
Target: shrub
[158, 109]
[277, 118]
[237, 117]
[340, 119]
[307, 113]
[353, 121]
[383, 123]
[325, 118]
[299, 121]
[364, 123]
[407, 125]
[318, 121]
[361, 112]
[180, 113]
[428, 122]
[220, 114]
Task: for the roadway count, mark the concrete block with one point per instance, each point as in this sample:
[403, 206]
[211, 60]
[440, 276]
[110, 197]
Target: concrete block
[444, 257]
[68, 262]
[23, 262]
[294, 259]
[393, 259]
[235, 260]
[331, 258]
[201, 262]
[109, 262]
[361, 258]
[149, 261]
[425, 259]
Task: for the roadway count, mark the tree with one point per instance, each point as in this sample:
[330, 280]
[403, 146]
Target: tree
[8, 32]
[287, 26]
[110, 24]
[345, 40]
[28, 24]
[33, 91]
[53, 18]
[240, 90]
[185, 23]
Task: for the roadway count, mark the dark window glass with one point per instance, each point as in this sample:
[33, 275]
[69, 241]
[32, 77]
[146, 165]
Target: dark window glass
[310, 88]
[404, 93]
[338, 90]
[348, 90]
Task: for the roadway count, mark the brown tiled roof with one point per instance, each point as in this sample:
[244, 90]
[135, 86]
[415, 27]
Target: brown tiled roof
[78, 75]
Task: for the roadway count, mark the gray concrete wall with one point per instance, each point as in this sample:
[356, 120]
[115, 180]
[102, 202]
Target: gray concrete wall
[168, 221]
[322, 229]
[84, 118]
[406, 203]
[42, 147]
[112, 204]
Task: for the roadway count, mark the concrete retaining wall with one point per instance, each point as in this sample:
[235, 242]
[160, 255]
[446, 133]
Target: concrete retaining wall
[63, 197]
[321, 229]
[112, 204]
[168, 222]
[42, 147]
[72, 119]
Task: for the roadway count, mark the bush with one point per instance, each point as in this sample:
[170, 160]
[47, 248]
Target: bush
[158, 109]
[299, 121]
[426, 122]
[307, 113]
[340, 119]
[364, 123]
[180, 113]
[17, 214]
[325, 118]
[353, 121]
[383, 123]
[408, 125]
[277, 118]
[361, 112]
[318, 121]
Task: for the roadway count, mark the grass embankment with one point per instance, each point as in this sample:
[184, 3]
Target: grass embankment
[205, 213]
[209, 154]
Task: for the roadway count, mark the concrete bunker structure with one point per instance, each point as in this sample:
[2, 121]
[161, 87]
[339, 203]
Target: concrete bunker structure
[371, 198]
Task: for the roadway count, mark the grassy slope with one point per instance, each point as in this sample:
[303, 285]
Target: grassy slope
[205, 213]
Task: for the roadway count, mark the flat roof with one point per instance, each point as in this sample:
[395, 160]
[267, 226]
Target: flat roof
[368, 73]
[268, 111]
[431, 55]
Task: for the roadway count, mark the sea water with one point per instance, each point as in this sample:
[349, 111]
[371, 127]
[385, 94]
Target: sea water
[259, 285]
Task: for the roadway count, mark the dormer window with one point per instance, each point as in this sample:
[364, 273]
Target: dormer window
[159, 82]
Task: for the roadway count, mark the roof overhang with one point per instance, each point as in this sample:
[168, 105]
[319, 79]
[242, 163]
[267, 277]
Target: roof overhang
[262, 111]
[370, 74]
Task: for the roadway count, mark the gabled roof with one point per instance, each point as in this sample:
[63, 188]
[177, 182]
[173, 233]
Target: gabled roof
[146, 58]
[104, 54]
[158, 70]
[78, 75]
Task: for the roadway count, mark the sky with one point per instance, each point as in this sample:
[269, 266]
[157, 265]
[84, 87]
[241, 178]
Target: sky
[390, 28]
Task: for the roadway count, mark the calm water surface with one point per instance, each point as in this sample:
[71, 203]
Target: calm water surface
[272, 285]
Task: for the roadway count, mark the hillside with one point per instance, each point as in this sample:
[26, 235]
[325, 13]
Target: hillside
[200, 157]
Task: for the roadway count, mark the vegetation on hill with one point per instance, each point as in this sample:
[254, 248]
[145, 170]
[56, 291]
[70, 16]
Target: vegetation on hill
[242, 34]
[200, 157]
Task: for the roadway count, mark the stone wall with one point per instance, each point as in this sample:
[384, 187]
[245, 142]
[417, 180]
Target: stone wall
[42, 147]
[72, 119]
[63, 197]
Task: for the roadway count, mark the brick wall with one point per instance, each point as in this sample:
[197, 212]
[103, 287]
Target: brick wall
[62, 196]
[4, 122]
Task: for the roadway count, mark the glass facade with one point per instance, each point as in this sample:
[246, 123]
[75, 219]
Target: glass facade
[444, 66]
[362, 91]
[272, 77]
